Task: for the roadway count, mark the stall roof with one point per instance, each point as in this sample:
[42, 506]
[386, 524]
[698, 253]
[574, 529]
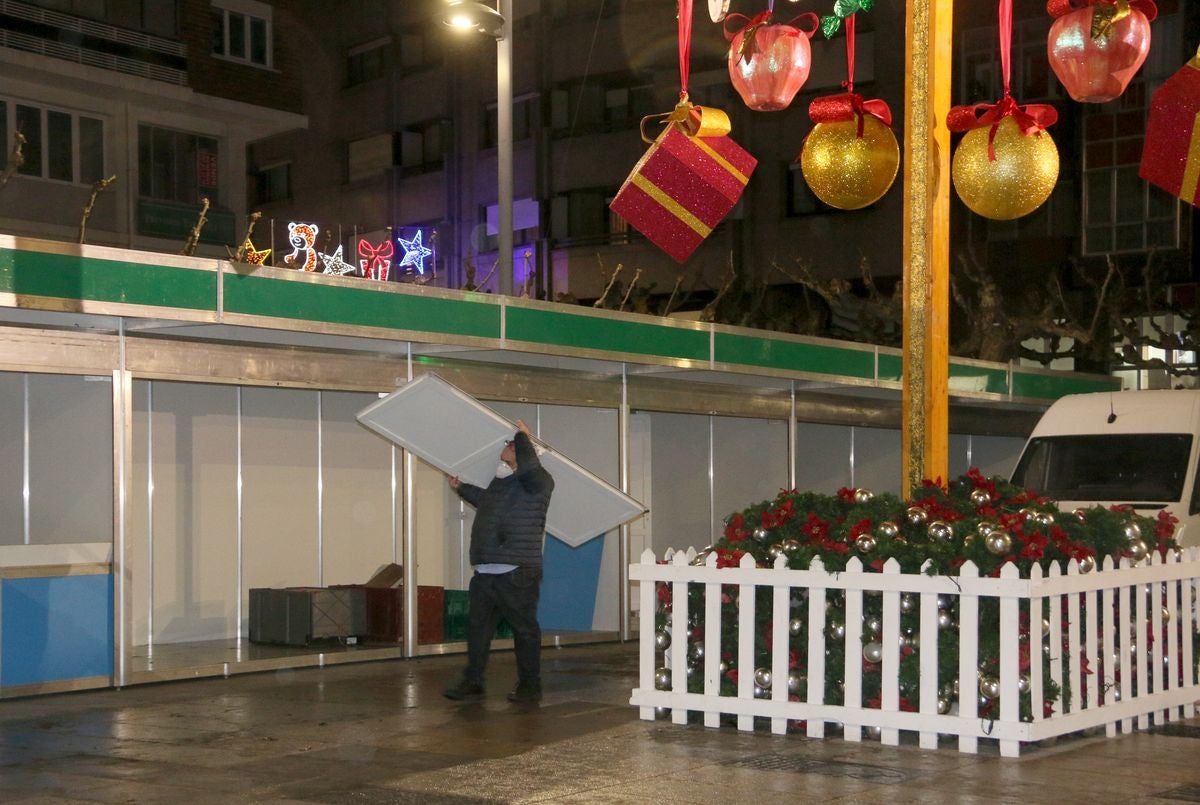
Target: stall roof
[63, 285]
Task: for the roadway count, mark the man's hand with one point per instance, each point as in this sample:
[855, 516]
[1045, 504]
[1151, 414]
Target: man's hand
[523, 428]
[454, 482]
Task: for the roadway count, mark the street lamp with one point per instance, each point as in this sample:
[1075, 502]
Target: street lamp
[468, 15]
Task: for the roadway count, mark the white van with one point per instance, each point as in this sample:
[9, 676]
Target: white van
[1130, 447]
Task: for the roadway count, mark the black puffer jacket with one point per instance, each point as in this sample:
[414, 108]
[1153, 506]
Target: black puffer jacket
[510, 515]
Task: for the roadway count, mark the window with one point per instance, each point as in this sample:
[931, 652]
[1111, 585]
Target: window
[368, 62]
[58, 145]
[273, 184]
[626, 106]
[800, 198]
[1127, 468]
[176, 165]
[420, 147]
[525, 120]
[241, 30]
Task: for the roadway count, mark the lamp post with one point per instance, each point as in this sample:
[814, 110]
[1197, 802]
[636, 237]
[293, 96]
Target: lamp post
[473, 16]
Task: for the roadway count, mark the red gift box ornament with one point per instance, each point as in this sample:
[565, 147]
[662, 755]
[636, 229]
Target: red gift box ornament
[1171, 151]
[687, 182]
[1096, 48]
[693, 173]
[769, 63]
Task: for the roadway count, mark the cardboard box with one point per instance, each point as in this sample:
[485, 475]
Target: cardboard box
[1171, 150]
[682, 188]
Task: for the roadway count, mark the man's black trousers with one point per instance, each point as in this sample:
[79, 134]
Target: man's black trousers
[514, 597]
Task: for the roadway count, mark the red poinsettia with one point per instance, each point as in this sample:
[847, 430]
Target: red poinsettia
[735, 531]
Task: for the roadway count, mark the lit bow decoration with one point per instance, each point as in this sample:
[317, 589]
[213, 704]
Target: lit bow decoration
[376, 261]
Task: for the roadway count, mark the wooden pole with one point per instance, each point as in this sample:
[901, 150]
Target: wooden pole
[924, 434]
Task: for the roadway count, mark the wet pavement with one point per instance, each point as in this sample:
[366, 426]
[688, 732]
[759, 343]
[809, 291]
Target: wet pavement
[381, 732]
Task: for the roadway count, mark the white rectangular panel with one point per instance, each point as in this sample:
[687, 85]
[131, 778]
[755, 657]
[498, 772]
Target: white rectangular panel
[461, 436]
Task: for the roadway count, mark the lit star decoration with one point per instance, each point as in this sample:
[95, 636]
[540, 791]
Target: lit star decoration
[252, 256]
[414, 253]
[335, 265]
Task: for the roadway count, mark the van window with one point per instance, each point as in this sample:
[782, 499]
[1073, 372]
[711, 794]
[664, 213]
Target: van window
[1123, 468]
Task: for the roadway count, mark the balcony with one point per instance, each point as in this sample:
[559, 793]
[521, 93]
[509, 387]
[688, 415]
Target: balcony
[92, 44]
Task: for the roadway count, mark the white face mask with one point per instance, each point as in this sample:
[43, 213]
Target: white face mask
[503, 470]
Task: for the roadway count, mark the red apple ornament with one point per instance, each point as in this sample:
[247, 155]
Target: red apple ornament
[769, 63]
[1096, 50]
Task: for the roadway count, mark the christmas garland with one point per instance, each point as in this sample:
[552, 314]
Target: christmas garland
[985, 520]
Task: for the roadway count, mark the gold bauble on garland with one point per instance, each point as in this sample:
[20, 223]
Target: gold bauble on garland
[1016, 183]
[847, 171]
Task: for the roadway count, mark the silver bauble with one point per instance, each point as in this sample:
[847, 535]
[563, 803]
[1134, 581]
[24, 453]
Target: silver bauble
[760, 534]
[791, 545]
[1080, 515]
[795, 626]
[984, 527]
[989, 686]
[761, 693]
[944, 619]
[662, 678]
[1132, 531]
[941, 531]
[662, 639]
[662, 712]
[907, 603]
[775, 550]
[1045, 627]
[863, 496]
[696, 650]
[874, 625]
[865, 543]
[762, 678]
[1166, 615]
[1023, 684]
[888, 529]
[839, 631]
[796, 682]
[701, 557]
[692, 669]
[980, 497]
[943, 601]
[1028, 512]
[872, 731]
[943, 705]
[1137, 550]
[1044, 519]
[998, 543]
[954, 686]
[916, 515]
[1087, 564]
[873, 652]
[969, 538]
[722, 666]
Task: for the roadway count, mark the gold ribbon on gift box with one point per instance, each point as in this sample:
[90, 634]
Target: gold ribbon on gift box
[696, 122]
[1190, 185]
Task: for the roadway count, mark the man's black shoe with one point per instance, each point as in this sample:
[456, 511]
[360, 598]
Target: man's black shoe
[464, 691]
[526, 692]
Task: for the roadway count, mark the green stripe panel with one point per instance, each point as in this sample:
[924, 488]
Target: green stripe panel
[970, 377]
[64, 276]
[359, 307]
[793, 356]
[566, 329]
[1051, 387]
[891, 367]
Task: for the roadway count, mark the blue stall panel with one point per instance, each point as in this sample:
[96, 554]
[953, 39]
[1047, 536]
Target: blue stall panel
[55, 628]
[569, 581]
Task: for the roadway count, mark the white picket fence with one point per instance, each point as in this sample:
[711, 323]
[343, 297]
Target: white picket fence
[1106, 614]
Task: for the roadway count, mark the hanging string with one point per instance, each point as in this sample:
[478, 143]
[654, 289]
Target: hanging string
[1006, 13]
[850, 52]
[770, 6]
[685, 45]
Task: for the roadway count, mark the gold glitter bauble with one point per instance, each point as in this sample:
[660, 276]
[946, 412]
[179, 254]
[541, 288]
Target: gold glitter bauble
[1016, 183]
[847, 171]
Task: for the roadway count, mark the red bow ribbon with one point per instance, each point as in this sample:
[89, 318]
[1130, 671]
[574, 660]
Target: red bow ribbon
[376, 260]
[1060, 8]
[847, 105]
[748, 28]
[1030, 118]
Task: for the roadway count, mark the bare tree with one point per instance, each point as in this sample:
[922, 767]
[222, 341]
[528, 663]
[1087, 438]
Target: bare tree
[98, 187]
